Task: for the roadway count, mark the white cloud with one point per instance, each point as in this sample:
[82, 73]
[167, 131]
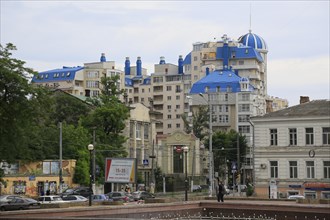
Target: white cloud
[292, 78]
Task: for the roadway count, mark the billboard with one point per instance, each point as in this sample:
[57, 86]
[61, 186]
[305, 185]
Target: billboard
[120, 170]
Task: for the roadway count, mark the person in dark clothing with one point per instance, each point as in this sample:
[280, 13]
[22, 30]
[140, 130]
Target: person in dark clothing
[220, 191]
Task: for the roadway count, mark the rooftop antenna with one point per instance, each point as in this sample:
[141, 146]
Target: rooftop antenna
[250, 30]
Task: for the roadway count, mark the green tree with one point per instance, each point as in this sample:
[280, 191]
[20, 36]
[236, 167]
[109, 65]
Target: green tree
[19, 104]
[199, 124]
[108, 121]
[67, 108]
[224, 146]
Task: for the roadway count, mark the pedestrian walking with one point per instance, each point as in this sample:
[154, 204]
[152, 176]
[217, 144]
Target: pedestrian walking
[220, 191]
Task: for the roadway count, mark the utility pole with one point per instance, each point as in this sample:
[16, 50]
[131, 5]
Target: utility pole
[238, 166]
[60, 162]
[94, 161]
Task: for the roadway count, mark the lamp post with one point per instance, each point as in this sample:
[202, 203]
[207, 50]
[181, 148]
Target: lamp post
[185, 150]
[91, 150]
[210, 144]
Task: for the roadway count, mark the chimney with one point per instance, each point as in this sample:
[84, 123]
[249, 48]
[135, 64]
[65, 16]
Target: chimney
[127, 67]
[162, 60]
[103, 59]
[304, 99]
[138, 66]
[180, 62]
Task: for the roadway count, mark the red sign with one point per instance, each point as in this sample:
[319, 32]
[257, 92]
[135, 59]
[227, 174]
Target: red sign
[317, 185]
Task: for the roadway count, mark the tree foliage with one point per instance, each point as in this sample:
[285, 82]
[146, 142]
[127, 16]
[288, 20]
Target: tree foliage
[19, 105]
[108, 121]
[224, 146]
[199, 124]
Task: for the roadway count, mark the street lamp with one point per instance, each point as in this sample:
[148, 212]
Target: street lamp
[91, 150]
[210, 144]
[185, 150]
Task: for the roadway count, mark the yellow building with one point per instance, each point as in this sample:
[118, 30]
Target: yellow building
[36, 178]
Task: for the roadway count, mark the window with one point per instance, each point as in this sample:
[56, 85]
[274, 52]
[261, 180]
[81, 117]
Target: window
[241, 62]
[177, 125]
[92, 84]
[218, 89]
[178, 89]
[169, 116]
[169, 98]
[142, 99]
[244, 108]
[169, 107]
[309, 136]
[293, 166]
[169, 126]
[244, 129]
[50, 167]
[326, 136]
[273, 137]
[177, 106]
[229, 89]
[326, 169]
[195, 58]
[168, 88]
[195, 67]
[245, 97]
[138, 130]
[142, 90]
[146, 131]
[293, 136]
[177, 97]
[223, 118]
[243, 118]
[310, 169]
[273, 169]
[92, 74]
[178, 116]
[131, 125]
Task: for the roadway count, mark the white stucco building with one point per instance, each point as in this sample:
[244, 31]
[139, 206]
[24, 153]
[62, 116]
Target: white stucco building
[292, 151]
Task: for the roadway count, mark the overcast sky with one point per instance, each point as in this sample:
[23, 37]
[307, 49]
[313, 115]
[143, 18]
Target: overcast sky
[52, 34]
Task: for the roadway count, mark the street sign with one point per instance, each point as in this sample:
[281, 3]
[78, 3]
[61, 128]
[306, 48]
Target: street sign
[145, 162]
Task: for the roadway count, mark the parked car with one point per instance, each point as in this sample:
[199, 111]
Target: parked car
[118, 196]
[142, 195]
[74, 198]
[19, 204]
[197, 188]
[82, 191]
[296, 197]
[6, 198]
[50, 199]
[130, 197]
[100, 198]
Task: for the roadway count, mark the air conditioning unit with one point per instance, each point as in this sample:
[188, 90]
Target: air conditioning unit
[263, 166]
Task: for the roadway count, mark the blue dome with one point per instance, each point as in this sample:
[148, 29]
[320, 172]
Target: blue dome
[253, 40]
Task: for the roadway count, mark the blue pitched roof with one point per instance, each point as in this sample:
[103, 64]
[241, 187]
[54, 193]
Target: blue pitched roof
[240, 53]
[66, 73]
[218, 79]
[187, 59]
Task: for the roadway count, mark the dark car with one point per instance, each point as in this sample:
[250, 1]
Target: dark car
[118, 196]
[82, 191]
[19, 204]
[142, 195]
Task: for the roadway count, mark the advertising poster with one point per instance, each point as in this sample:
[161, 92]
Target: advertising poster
[120, 170]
